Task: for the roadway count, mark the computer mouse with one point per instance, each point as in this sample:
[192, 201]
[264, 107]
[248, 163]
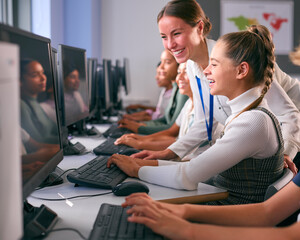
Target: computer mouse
[129, 151]
[126, 188]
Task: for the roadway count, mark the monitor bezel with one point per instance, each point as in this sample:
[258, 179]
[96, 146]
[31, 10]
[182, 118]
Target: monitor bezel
[32, 183]
[83, 116]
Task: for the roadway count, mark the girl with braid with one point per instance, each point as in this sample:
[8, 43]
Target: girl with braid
[249, 155]
[246, 221]
[184, 29]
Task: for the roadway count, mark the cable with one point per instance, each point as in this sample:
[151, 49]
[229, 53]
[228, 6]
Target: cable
[66, 229]
[79, 196]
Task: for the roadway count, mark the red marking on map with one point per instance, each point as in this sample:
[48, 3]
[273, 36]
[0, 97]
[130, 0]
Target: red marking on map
[274, 21]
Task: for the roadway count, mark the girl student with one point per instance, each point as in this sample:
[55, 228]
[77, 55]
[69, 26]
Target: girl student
[184, 28]
[167, 69]
[249, 155]
[164, 81]
[161, 140]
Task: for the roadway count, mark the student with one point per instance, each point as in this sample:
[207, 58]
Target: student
[34, 120]
[247, 221]
[168, 68]
[164, 78]
[183, 27]
[161, 140]
[249, 155]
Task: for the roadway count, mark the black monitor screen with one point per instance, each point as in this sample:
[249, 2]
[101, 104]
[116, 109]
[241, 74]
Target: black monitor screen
[41, 145]
[92, 80]
[72, 63]
[125, 76]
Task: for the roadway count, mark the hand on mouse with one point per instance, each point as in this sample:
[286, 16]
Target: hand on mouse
[127, 164]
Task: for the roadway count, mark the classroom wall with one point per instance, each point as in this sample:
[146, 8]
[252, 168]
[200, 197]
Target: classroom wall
[129, 29]
[115, 29]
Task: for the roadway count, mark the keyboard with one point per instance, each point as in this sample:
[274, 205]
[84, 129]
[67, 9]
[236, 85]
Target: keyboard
[111, 223]
[115, 132]
[96, 174]
[109, 148]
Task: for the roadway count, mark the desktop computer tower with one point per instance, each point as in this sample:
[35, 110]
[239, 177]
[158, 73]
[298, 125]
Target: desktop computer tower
[11, 205]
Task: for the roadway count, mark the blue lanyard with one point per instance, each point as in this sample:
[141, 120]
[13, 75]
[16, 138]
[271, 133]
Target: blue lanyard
[209, 125]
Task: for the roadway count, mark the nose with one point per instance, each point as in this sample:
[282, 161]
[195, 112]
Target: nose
[207, 70]
[171, 43]
[43, 77]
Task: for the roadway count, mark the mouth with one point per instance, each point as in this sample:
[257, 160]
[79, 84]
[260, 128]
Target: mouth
[176, 53]
[211, 82]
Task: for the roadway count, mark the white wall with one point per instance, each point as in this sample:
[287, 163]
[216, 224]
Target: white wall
[129, 29]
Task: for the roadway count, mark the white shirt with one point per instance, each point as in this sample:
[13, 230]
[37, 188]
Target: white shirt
[186, 118]
[252, 134]
[279, 102]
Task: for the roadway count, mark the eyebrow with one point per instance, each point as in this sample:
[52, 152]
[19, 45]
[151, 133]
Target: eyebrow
[213, 59]
[176, 29]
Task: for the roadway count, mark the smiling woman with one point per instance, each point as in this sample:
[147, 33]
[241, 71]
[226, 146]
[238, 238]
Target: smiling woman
[252, 132]
[184, 28]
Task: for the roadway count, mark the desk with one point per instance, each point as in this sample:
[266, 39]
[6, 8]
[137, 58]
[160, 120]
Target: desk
[81, 213]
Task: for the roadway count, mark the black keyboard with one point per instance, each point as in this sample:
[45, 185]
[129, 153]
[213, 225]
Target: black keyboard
[96, 174]
[111, 223]
[115, 132]
[109, 148]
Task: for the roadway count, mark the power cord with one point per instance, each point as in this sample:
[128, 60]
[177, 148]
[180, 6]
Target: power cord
[65, 229]
[68, 198]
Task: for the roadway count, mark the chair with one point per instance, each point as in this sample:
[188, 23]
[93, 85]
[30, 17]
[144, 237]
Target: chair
[280, 183]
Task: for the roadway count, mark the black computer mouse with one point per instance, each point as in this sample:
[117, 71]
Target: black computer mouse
[126, 188]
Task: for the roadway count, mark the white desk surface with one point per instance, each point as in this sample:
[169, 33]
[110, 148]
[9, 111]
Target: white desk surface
[81, 213]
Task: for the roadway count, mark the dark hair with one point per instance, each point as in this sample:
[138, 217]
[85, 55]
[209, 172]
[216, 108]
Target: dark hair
[254, 46]
[189, 11]
[295, 56]
[23, 64]
[68, 68]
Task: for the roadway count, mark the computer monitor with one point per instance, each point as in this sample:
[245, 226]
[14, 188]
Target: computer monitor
[11, 207]
[41, 148]
[105, 85]
[72, 67]
[92, 85]
[117, 83]
[126, 76]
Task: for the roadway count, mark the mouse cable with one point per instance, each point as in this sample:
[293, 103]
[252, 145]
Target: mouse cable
[64, 229]
[67, 198]
[59, 176]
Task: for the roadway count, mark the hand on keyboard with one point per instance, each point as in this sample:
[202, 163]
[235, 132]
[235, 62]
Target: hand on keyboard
[125, 163]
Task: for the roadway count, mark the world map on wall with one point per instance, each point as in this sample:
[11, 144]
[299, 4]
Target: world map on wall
[275, 22]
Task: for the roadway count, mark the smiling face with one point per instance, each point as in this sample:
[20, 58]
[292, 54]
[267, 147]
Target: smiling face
[34, 79]
[167, 70]
[183, 81]
[222, 73]
[180, 38]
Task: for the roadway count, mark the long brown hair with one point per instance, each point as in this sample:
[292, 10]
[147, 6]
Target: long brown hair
[189, 11]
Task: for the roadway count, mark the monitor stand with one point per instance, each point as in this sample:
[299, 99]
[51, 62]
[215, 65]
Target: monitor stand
[80, 129]
[37, 220]
[71, 148]
[53, 178]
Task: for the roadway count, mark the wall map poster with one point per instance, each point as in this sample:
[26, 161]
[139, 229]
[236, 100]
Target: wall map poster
[277, 16]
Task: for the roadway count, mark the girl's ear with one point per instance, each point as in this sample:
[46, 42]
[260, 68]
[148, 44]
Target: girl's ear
[243, 70]
[200, 27]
